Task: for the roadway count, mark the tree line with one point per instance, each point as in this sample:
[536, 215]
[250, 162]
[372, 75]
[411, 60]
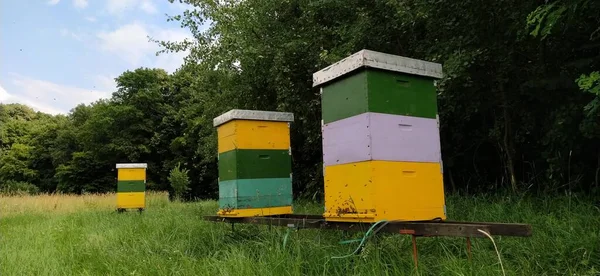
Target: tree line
[519, 103]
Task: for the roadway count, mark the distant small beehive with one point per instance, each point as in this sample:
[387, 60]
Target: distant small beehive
[381, 143]
[255, 175]
[131, 186]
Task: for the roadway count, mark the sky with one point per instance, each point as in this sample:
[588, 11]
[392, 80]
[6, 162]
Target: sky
[56, 54]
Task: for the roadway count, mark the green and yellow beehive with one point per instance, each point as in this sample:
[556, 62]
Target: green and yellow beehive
[255, 175]
[131, 186]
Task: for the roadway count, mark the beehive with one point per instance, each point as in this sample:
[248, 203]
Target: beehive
[255, 174]
[131, 186]
[381, 143]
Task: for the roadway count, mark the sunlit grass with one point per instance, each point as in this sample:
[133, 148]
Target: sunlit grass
[83, 235]
[66, 203]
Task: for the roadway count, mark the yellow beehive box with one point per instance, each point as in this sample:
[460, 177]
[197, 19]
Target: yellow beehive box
[371, 191]
[131, 186]
[253, 134]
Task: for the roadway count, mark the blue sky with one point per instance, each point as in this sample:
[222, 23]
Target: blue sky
[55, 54]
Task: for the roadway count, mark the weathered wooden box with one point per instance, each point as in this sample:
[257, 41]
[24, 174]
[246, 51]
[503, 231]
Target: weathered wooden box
[381, 143]
[255, 175]
[131, 186]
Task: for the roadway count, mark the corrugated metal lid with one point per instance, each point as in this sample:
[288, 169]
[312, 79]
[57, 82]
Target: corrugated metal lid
[241, 114]
[132, 166]
[368, 58]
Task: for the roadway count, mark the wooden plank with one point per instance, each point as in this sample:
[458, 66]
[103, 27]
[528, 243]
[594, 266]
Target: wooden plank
[426, 229]
[504, 229]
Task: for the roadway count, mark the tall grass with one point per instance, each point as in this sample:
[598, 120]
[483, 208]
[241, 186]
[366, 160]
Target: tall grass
[71, 235]
[64, 203]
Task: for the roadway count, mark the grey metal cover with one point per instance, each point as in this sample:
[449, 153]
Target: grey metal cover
[368, 58]
[241, 114]
[132, 166]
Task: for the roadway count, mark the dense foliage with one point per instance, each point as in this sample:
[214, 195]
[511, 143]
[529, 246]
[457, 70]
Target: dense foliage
[519, 104]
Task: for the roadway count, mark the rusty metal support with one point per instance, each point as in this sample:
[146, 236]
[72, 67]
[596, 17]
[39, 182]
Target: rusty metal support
[415, 253]
[469, 248]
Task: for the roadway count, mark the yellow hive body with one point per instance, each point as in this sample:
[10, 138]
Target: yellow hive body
[131, 199]
[131, 174]
[251, 134]
[384, 190]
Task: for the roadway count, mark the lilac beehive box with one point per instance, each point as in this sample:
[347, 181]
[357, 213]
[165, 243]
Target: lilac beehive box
[377, 136]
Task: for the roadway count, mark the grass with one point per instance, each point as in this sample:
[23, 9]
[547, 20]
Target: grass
[83, 235]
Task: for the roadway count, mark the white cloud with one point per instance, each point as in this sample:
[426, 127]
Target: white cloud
[148, 7]
[170, 62]
[118, 7]
[181, 6]
[130, 43]
[91, 19]
[4, 96]
[105, 83]
[66, 33]
[80, 4]
[47, 96]
[53, 2]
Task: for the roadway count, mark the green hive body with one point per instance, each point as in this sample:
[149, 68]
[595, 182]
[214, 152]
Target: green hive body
[255, 193]
[372, 90]
[369, 81]
[254, 164]
[131, 186]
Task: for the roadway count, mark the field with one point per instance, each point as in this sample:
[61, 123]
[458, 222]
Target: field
[83, 235]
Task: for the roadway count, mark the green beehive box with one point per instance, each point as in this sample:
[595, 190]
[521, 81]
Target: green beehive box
[369, 81]
[254, 164]
[255, 193]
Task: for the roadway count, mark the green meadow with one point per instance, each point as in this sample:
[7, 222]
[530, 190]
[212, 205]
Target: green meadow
[83, 235]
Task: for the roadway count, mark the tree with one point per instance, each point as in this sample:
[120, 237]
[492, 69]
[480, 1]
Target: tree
[179, 181]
